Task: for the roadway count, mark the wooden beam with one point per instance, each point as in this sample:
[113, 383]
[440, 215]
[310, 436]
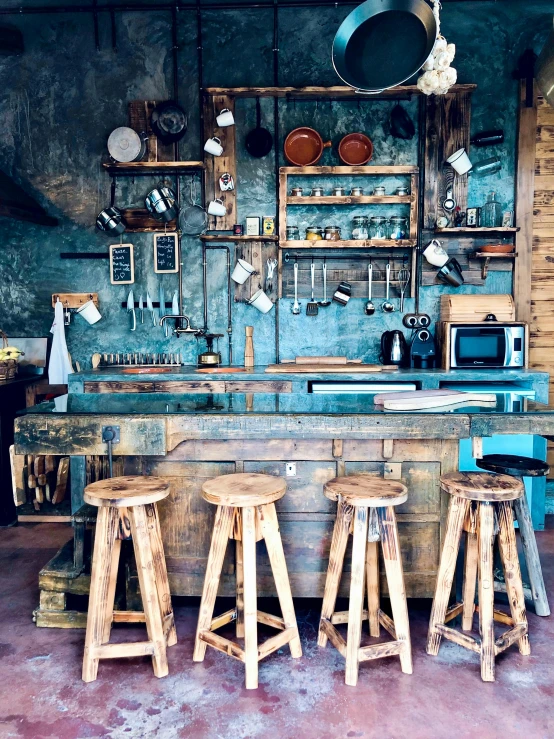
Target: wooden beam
[311, 92]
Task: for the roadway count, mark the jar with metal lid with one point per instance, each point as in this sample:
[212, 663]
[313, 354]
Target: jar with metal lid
[296, 192]
[317, 191]
[402, 190]
[360, 227]
[339, 190]
[314, 233]
[332, 233]
[380, 190]
[357, 191]
[378, 228]
[398, 227]
[293, 234]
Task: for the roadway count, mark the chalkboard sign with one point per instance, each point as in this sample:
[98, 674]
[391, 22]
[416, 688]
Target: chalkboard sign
[122, 264]
[166, 250]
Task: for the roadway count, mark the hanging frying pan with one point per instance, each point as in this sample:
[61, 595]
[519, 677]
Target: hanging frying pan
[169, 122]
[382, 43]
[258, 141]
[544, 70]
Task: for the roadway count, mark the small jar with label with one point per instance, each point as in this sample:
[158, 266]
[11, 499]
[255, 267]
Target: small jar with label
[380, 190]
[338, 190]
[378, 228]
[332, 233]
[357, 191]
[296, 192]
[293, 234]
[360, 227]
[398, 227]
[317, 191]
[314, 233]
[402, 190]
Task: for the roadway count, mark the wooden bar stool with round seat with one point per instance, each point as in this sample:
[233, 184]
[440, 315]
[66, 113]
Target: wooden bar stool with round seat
[512, 464]
[366, 506]
[246, 512]
[483, 504]
[127, 505]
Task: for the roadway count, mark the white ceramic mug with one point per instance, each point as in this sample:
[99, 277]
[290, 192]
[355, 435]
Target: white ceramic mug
[225, 118]
[90, 312]
[242, 271]
[213, 146]
[216, 208]
[435, 254]
[261, 302]
[460, 161]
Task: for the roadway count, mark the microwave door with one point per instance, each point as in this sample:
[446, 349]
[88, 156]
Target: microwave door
[479, 347]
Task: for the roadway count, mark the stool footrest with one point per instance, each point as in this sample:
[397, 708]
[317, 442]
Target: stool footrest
[333, 635]
[385, 649]
[224, 618]
[464, 640]
[276, 642]
[222, 645]
[126, 649]
[387, 623]
[509, 637]
[128, 617]
[276, 622]
[453, 611]
[341, 617]
[500, 616]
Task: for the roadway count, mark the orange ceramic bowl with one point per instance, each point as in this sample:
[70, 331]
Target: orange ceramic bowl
[304, 147]
[355, 149]
[497, 249]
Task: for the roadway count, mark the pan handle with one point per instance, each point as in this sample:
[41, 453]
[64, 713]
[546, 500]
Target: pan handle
[327, 144]
[369, 92]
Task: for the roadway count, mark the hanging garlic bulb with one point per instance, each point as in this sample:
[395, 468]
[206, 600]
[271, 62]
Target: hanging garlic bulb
[438, 76]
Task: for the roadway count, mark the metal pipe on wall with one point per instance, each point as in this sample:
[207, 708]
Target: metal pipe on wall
[219, 247]
[277, 149]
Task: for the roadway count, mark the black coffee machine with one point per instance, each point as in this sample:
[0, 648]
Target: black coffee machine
[422, 350]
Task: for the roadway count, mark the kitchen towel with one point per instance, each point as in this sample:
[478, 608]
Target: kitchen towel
[59, 366]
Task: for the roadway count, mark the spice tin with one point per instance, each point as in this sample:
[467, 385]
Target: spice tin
[268, 225]
[238, 229]
[473, 216]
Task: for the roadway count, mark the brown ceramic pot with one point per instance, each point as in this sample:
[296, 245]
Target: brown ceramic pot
[355, 149]
[304, 147]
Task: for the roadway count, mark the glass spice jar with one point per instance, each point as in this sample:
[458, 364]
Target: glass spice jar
[360, 227]
[314, 233]
[317, 191]
[380, 190]
[378, 228]
[296, 192]
[338, 190]
[332, 233]
[293, 234]
[357, 191]
[398, 227]
[402, 190]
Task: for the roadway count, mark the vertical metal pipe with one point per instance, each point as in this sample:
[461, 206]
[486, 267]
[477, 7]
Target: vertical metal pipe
[277, 149]
[95, 22]
[421, 129]
[222, 247]
[113, 30]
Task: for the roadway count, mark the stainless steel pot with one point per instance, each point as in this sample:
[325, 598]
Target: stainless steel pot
[110, 220]
[161, 203]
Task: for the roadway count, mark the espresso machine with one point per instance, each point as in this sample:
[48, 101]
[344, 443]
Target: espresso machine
[422, 350]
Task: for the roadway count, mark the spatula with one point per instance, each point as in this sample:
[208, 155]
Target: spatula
[311, 306]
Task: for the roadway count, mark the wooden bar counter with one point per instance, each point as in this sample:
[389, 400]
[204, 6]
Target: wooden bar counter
[306, 438]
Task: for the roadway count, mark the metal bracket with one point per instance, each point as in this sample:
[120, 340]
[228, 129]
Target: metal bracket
[111, 433]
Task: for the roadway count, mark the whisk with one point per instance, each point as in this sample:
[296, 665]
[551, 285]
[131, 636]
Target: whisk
[403, 280]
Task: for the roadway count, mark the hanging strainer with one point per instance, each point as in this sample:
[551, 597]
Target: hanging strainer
[193, 219]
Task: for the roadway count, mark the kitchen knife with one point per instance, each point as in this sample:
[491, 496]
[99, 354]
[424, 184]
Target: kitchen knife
[161, 293]
[131, 309]
[141, 309]
[150, 307]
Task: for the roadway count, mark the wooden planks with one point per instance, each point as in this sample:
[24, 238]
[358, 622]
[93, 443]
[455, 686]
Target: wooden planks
[216, 166]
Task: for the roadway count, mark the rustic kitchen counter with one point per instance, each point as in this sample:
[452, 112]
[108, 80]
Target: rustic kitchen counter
[307, 438]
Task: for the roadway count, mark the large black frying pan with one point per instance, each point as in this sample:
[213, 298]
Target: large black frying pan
[259, 140]
[382, 43]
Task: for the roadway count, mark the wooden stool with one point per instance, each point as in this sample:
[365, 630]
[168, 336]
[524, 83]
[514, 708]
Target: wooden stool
[511, 464]
[478, 502]
[365, 504]
[127, 505]
[246, 513]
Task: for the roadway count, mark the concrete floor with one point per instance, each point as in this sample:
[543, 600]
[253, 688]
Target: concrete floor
[41, 693]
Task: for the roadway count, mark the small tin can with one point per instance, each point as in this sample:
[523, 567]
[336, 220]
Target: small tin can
[316, 192]
[268, 225]
[402, 190]
[380, 190]
[357, 191]
[473, 216]
[296, 192]
[238, 229]
[508, 218]
[339, 191]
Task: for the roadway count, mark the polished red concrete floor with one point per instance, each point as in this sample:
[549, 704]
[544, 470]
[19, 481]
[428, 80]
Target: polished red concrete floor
[41, 693]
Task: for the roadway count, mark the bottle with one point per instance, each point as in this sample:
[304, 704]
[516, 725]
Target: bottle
[249, 347]
[484, 167]
[488, 138]
[491, 212]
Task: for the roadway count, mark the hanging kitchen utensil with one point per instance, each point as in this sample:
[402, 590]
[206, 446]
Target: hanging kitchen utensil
[161, 298]
[110, 219]
[169, 122]
[150, 307]
[325, 303]
[175, 304]
[382, 43]
[311, 306]
[387, 306]
[369, 306]
[296, 305]
[401, 125]
[544, 70]
[141, 308]
[259, 141]
[131, 309]
[404, 280]
[304, 147]
[161, 203]
[125, 145]
[193, 219]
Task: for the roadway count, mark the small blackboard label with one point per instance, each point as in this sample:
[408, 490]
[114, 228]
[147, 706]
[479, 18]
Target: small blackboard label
[166, 249]
[122, 264]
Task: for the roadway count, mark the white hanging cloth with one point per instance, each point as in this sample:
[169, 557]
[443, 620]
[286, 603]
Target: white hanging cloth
[59, 366]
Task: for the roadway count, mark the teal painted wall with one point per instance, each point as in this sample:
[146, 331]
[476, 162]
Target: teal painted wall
[60, 100]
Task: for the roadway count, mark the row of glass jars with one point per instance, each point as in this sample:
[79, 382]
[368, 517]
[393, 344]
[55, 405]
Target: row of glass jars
[363, 228]
[317, 191]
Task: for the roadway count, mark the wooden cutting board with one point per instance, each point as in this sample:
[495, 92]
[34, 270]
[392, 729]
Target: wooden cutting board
[424, 399]
[330, 368]
[321, 360]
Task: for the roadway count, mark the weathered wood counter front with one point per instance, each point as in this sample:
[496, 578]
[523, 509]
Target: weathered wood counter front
[190, 438]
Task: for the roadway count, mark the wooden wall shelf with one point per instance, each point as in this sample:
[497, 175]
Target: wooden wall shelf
[238, 239]
[487, 256]
[365, 169]
[347, 199]
[74, 300]
[337, 92]
[349, 244]
[151, 168]
[477, 230]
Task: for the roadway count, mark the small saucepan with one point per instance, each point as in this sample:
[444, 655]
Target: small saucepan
[161, 203]
[355, 149]
[304, 147]
[110, 219]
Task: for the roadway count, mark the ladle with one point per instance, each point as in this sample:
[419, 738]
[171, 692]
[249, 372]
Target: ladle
[387, 306]
[369, 307]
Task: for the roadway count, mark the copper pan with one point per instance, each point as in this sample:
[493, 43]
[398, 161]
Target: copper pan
[304, 147]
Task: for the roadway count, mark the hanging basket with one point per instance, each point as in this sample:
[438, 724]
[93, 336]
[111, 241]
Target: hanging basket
[8, 367]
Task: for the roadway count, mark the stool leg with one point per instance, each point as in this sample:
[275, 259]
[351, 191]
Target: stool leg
[110, 596]
[395, 579]
[470, 580]
[457, 511]
[356, 603]
[239, 572]
[339, 541]
[372, 575]
[512, 572]
[220, 537]
[531, 552]
[486, 589]
[270, 530]
[250, 597]
[160, 569]
[148, 589]
[101, 576]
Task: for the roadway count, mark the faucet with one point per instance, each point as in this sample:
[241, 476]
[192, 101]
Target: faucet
[178, 329]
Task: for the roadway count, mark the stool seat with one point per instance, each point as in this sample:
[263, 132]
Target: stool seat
[244, 489]
[121, 492]
[481, 486]
[513, 464]
[367, 491]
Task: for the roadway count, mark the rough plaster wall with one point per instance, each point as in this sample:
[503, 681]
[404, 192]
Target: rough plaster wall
[62, 98]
